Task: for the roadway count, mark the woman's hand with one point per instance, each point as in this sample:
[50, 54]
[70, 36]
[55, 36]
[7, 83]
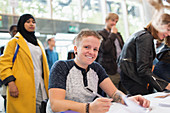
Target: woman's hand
[140, 100]
[13, 90]
[100, 105]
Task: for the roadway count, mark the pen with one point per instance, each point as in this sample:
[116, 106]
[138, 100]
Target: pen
[93, 92]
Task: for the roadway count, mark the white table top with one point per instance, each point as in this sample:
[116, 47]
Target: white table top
[156, 105]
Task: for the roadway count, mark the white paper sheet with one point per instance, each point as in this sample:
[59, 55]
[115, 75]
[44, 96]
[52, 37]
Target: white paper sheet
[155, 105]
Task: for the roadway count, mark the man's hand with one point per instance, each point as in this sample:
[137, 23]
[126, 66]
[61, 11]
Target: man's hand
[100, 105]
[114, 30]
[13, 90]
[140, 100]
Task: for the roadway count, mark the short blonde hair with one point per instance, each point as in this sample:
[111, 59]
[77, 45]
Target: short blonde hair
[112, 16]
[85, 33]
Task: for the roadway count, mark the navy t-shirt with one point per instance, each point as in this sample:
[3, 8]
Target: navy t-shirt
[72, 78]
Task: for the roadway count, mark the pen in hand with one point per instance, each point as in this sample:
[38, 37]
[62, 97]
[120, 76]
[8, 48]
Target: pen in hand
[93, 92]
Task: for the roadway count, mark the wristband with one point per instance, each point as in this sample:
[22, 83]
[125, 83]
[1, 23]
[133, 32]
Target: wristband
[87, 107]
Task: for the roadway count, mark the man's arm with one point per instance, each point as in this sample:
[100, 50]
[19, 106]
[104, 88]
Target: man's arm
[58, 103]
[114, 93]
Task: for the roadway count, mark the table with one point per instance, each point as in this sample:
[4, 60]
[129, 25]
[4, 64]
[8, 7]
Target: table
[155, 104]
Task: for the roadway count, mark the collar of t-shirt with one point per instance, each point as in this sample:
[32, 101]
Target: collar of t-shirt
[84, 73]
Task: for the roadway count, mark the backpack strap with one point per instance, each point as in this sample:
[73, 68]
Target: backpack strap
[16, 51]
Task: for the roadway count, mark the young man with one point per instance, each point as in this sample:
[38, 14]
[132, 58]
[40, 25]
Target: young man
[52, 55]
[110, 48]
[70, 79]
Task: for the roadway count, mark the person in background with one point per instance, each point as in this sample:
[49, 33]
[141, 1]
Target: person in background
[137, 57]
[158, 46]
[71, 54]
[52, 55]
[162, 68]
[27, 77]
[70, 80]
[110, 49]
[12, 32]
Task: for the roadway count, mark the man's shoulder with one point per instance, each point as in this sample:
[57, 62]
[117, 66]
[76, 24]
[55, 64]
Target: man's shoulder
[65, 63]
[96, 66]
[102, 31]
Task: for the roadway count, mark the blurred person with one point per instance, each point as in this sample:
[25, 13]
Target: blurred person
[71, 54]
[69, 78]
[162, 68]
[26, 78]
[137, 57]
[110, 48]
[12, 32]
[52, 55]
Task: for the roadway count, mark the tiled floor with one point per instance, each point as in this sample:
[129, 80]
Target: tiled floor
[1, 104]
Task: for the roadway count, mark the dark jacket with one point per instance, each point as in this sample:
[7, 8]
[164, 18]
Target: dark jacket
[162, 68]
[136, 60]
[164, 50]
[107, 53]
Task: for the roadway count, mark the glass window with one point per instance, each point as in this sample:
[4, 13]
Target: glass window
[66, 9]
[5, 7]
[92, 11]
[38, 8]
[135, 17]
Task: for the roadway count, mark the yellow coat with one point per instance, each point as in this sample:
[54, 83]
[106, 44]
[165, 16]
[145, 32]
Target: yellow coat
[23, 71]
